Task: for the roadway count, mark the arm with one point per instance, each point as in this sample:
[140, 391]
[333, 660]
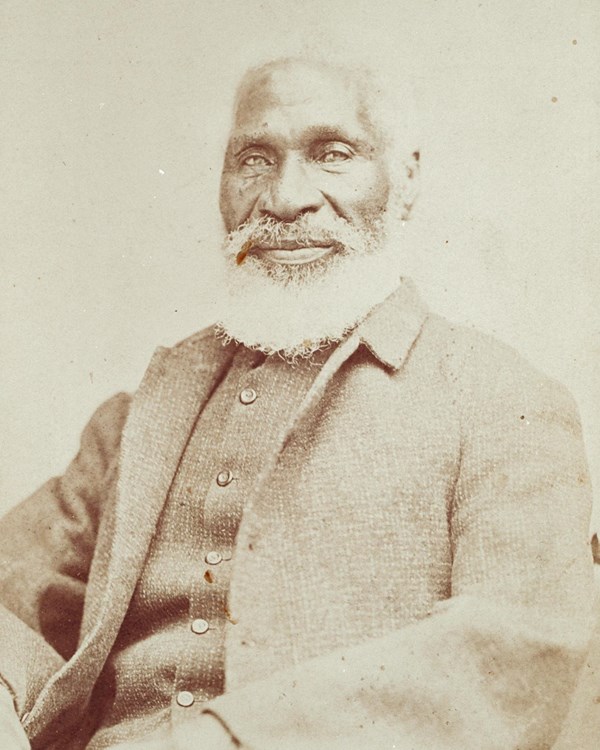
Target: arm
[46, 546]
[494, 666]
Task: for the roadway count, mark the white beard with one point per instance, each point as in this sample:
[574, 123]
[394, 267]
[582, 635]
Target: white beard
[295, 310]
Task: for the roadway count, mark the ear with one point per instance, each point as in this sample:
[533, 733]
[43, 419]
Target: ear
[410, 183]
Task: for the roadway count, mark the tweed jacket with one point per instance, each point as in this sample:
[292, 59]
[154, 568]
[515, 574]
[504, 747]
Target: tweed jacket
[412, 569]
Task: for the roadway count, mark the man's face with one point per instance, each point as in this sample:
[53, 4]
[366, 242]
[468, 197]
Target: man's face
[301, 146]
[305, 195]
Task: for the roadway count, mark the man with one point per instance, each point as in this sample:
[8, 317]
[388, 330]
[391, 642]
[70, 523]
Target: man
[337, 522]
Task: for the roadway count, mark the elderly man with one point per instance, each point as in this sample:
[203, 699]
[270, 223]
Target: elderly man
[333, 521]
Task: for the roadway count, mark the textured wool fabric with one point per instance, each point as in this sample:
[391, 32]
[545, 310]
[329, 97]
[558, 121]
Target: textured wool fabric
[412, 568]
[157, 654]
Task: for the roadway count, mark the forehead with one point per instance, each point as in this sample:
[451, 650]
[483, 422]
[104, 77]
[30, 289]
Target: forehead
[293, 98]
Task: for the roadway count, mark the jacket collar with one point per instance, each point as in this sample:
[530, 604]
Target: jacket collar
[391, 328]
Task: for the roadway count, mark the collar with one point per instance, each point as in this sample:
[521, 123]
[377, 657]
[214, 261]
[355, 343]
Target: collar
[391, 328]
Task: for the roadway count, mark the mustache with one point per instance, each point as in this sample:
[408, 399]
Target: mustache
[305, 231]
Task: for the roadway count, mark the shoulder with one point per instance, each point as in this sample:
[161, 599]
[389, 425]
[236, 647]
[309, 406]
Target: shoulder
[460, 345]
[466, 353]
[102, 434]
[171, 367]
[113, 410]
[205, 336]
[485, 374]
[203, 348]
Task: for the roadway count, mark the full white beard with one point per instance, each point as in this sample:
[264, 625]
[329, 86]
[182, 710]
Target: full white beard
[296, 310]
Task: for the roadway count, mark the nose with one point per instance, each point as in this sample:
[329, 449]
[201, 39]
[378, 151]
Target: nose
[289, 193]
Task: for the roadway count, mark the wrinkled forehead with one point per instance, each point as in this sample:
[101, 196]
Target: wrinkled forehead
[292, 95]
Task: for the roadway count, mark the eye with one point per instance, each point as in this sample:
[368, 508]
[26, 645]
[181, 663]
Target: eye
[334, 153]
[255, 161]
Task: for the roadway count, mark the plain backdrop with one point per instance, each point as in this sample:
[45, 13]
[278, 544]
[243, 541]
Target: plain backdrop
[113, 116]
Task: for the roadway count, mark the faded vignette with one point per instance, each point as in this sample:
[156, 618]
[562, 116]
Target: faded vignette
[114, 123]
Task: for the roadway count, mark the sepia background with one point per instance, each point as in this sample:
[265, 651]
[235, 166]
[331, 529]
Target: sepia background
[112, 118]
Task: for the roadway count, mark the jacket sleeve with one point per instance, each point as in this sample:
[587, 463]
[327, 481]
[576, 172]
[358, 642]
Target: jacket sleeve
[493, 667]
[46, 547]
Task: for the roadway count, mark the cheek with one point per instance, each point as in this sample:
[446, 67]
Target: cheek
[370, 195]
[236, 199]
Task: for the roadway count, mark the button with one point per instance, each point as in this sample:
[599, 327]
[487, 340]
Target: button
[213, 558]
[184, 698]
[224, 478]
[248, 396]
[199, 626]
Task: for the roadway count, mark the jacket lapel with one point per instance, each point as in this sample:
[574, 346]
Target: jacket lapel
[176, 386]
[389, 332]
[174, 390]
[250, 521]
[339, 355]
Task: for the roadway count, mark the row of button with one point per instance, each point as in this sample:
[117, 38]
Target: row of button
[200, 626]
[184, 698]
[225, 477]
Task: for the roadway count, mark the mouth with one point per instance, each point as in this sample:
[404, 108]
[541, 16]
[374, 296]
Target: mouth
[292, 253]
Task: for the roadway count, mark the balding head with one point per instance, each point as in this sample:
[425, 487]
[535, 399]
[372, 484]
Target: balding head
[384, 104]
[289, 80]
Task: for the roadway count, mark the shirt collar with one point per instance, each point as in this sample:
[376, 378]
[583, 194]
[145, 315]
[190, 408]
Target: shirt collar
[391, 328]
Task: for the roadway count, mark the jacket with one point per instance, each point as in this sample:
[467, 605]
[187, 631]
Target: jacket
[412, 569]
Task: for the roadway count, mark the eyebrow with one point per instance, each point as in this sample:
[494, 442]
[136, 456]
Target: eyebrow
[240, 143]
[313, 134]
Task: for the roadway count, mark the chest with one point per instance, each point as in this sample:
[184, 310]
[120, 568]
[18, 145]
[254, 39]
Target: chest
[347, 536]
